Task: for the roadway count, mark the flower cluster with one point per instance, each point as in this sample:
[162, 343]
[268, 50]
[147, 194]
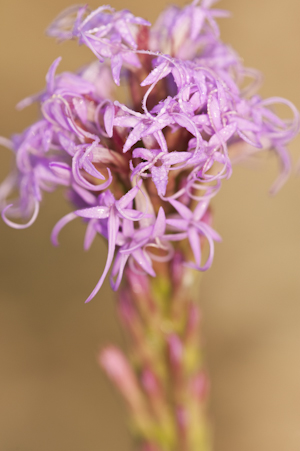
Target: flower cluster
[142, 172]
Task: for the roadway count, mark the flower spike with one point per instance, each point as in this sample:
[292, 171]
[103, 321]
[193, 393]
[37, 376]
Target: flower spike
[142, 172]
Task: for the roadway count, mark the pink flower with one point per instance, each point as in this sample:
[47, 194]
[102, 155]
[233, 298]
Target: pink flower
[142, 173]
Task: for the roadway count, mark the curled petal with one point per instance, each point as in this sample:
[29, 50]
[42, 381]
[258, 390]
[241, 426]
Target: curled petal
[6, 188]
[285, 170]
[61, 170]
[292, 125]
[166, 246]
[60, 225]
[82, 181]
[205, 230]
[144, 262]
[63, 26]
[21, 226]
[88, 166]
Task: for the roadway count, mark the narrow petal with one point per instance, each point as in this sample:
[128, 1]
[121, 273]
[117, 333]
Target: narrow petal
[134, 136]
[195, 244]
[108, 118]
[128, 197]
[50, 77]
[100, 212]
[90, 235]
[180, 224]
[200, 210]
[184, 211]
[59, 225]
[116, 66]
[118, 269]
[160, 224]
[159, 72]
[160, 179]
[144, 261]
[113, 227]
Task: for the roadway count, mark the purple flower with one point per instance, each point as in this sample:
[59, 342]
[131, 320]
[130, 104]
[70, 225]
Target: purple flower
[107, 33]
[104, 218]
[192, 223]
[142, 173]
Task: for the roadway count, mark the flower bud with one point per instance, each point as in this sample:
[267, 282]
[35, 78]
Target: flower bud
[120, 372]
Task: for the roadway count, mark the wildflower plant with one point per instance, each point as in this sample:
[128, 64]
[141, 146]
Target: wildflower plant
[141, 166]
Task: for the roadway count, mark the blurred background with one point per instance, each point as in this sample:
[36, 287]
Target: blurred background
[53, 396]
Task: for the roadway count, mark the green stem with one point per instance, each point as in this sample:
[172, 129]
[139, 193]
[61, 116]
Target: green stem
[162, 318]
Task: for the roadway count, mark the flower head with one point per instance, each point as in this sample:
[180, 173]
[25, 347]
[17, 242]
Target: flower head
[142, 173]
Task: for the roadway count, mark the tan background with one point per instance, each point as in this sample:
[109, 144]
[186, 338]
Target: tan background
[53, 397]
